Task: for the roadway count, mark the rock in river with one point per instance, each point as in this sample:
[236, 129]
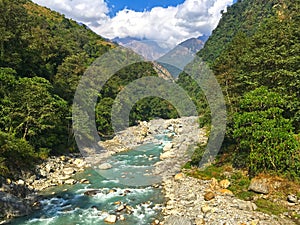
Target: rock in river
[105, 166]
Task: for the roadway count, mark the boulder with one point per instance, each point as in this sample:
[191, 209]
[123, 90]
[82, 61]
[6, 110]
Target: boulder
[105, 166]
[209, 196]
[205, 209]
[179, 176]
[168, 146]
[12, 206]
[21, 182]
[260, 186]
[70, 182]
[224, 184]
[111, 219]
[167, 155]
[226, 192]
[120, 208]
[68, 171]
[292, 198]
[92, 192]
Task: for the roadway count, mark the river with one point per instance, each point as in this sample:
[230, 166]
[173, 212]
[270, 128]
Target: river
[68, 205]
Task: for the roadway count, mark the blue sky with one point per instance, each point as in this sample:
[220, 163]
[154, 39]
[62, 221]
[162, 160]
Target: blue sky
[140, 5]
[164, 21]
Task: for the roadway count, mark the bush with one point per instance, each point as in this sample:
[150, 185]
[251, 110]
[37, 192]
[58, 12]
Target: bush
[263, 132]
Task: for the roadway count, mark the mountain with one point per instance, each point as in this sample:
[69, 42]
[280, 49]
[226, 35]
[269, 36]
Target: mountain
[193, 44]
[254, 53]
[244, 16]
[151, 50]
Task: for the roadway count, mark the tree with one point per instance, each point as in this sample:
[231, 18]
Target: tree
[36, 115]
[263, 133]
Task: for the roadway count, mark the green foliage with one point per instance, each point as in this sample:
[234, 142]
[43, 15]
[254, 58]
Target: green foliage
[263, 132]
[15, 154]
[269, 207]
[244, 16]
[254, 53]
[145, 109]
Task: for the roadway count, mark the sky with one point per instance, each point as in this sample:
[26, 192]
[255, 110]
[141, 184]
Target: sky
[164, 21]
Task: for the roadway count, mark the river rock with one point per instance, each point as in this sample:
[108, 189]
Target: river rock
[122, 218]
[292, 198]
[224, 184]
[12, 206]
[205, 209]
[168, 146]
[226, 192]
[259, 185]
[105, 166]
[70, 182]
[167, 155]
[175, 220]
[21, 182]
[68, 171]
[92, 192]
[111, 219]
[120, 208]
[179, 176]
[209, 196]
[80, 163]
[84, 181]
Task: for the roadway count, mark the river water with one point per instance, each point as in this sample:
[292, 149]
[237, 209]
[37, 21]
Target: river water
[68, 205]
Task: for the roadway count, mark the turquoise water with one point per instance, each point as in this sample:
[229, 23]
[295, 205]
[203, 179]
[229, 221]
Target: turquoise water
[67, 205]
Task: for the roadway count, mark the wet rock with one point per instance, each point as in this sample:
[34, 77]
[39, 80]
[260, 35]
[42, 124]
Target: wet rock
[92, 192]
[84, 181]
[111, 219]
[12, 206]
[112, 191]
[70, 182]
[122, 218]
[105, 166]
[120, 208]
[129, 209]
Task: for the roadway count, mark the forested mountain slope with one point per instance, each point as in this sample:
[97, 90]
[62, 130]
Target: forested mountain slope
[42, 58]
[255, 53]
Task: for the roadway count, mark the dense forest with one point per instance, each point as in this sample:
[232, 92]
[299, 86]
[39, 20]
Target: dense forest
[254, 53]
[43, 55]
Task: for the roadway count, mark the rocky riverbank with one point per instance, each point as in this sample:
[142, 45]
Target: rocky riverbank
[183, 132]
[193, 201]
[189, 201]
[20, 197]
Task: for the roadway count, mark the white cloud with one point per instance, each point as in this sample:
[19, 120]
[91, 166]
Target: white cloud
[86, 11]
[166, 25]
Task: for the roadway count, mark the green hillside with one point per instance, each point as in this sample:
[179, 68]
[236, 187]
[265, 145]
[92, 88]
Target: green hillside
[255, 53]
[42, 58]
